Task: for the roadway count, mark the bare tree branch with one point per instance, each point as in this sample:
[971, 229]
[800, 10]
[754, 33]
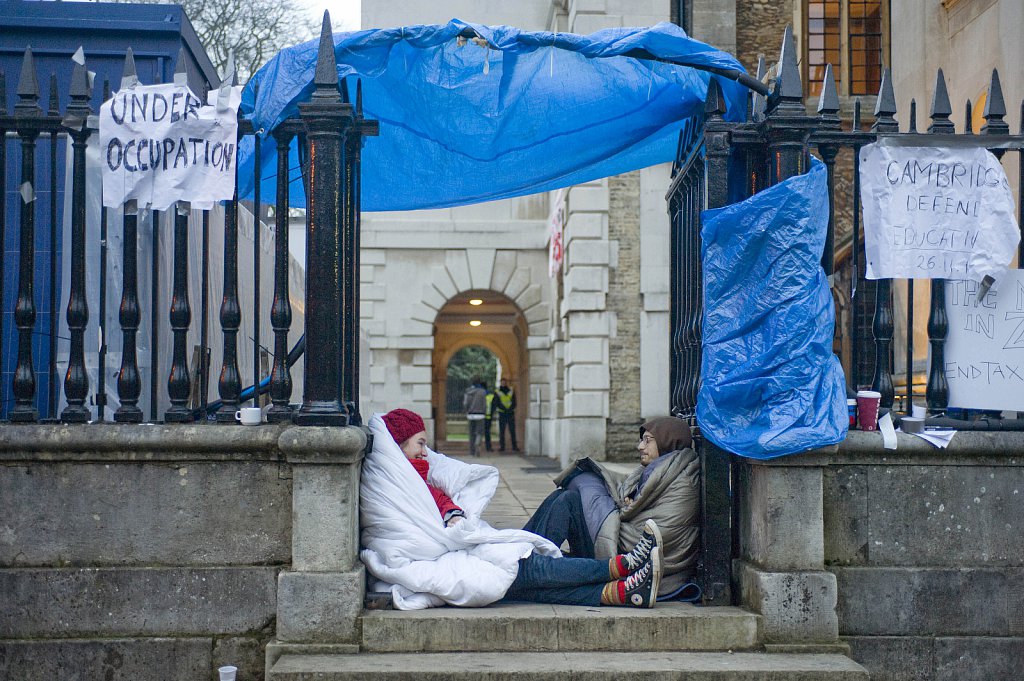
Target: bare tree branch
[254, 30]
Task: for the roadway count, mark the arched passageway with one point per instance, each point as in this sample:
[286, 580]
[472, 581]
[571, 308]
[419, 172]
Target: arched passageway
[488, 320]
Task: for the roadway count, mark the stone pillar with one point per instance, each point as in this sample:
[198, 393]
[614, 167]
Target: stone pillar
[320, 598]
[586, 323]
[781, 573]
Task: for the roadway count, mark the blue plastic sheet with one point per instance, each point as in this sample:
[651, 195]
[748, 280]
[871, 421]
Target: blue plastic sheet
[550, 110]
[771, 385]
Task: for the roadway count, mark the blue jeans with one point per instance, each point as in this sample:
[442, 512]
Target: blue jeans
[560, 518]
[562, 581]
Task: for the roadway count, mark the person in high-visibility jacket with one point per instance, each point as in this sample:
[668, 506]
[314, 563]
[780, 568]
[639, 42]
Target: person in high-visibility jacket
[505, 405]
[487, 417]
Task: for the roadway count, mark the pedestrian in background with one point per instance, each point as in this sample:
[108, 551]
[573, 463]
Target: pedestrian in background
[488, 413]
[474, 401]
[505, 405]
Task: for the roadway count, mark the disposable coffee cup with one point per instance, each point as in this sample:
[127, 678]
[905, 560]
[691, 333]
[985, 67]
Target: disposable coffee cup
[919, 412]
[912, 424]
[228, 673]
[867, 409]
[851, 410]
[249, 416]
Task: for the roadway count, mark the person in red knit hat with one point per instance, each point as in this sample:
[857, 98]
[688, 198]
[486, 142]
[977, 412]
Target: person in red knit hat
[626, 579]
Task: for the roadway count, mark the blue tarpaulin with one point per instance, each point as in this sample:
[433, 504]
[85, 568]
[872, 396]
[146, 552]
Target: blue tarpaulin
[463, 122]
[770, 383]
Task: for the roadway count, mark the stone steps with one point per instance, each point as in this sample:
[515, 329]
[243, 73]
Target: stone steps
[529, 627]
[593, 666]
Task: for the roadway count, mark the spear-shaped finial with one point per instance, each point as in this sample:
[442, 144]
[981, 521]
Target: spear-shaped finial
[326, 76]
[28, 87]
[995, 109]
[760, 102]
[181, 69]
[941, 108]
[129, 76]
[828, 100]
[885, 105]
[788, 84]
[714, 104]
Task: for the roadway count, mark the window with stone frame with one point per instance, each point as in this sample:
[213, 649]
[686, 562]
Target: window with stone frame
[853, 36]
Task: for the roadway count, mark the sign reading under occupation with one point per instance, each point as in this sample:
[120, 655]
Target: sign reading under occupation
[160, 144]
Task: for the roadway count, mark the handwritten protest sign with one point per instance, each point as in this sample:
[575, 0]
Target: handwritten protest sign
[985, 344]
[160, 144]
[934, 212]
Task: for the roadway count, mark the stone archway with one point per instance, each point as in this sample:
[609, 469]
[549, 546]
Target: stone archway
[502, 330]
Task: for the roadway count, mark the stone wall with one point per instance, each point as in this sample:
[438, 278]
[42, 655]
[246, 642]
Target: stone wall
[759, 28]
[625, 303]
[912, 558]
[160, 553]
[928, 550]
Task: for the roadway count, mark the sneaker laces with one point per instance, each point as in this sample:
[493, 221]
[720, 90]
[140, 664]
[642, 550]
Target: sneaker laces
[641, 550]
[638, 577]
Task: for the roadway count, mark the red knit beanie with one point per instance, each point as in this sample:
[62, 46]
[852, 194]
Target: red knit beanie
[403, 424]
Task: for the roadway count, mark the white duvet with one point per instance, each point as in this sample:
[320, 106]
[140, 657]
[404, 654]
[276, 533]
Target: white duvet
[408, 550]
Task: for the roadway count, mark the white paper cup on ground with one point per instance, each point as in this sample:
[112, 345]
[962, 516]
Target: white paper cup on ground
[228, 673]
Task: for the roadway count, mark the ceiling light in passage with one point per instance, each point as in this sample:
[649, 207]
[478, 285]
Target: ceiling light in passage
[475, 322]
[476, 301]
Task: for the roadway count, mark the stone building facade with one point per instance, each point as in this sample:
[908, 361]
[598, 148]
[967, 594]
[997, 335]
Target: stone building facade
[589, 354]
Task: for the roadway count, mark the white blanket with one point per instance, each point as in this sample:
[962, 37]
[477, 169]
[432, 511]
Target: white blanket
[406, 546]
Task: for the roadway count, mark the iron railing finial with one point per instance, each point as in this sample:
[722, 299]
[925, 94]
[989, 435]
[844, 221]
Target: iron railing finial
[885, 105]
[995, 109]
[941, 108]
[28, 87]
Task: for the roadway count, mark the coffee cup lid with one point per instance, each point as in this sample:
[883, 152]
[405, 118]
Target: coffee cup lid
[868, 393]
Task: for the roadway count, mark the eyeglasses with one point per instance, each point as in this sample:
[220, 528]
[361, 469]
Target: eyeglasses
[646, 439]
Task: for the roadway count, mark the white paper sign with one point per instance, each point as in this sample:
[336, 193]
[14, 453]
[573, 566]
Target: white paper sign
[933, 212]
[160, 144]
[985, 344]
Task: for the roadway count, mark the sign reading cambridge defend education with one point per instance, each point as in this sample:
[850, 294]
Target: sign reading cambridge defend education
[985, 344]
[933, 212]
[161, 144]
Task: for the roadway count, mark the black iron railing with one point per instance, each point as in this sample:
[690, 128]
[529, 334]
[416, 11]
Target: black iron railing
[330, 130]
[773, 144]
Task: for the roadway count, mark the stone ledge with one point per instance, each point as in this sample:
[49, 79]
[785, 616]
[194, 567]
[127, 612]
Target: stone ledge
[968, 448]
[532, 628]
[43, 602]
[275, 649]
[121, 443]
[311, 445]
[111, 442]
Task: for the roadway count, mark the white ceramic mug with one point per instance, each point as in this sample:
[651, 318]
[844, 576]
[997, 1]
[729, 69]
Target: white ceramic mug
[249, 416]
